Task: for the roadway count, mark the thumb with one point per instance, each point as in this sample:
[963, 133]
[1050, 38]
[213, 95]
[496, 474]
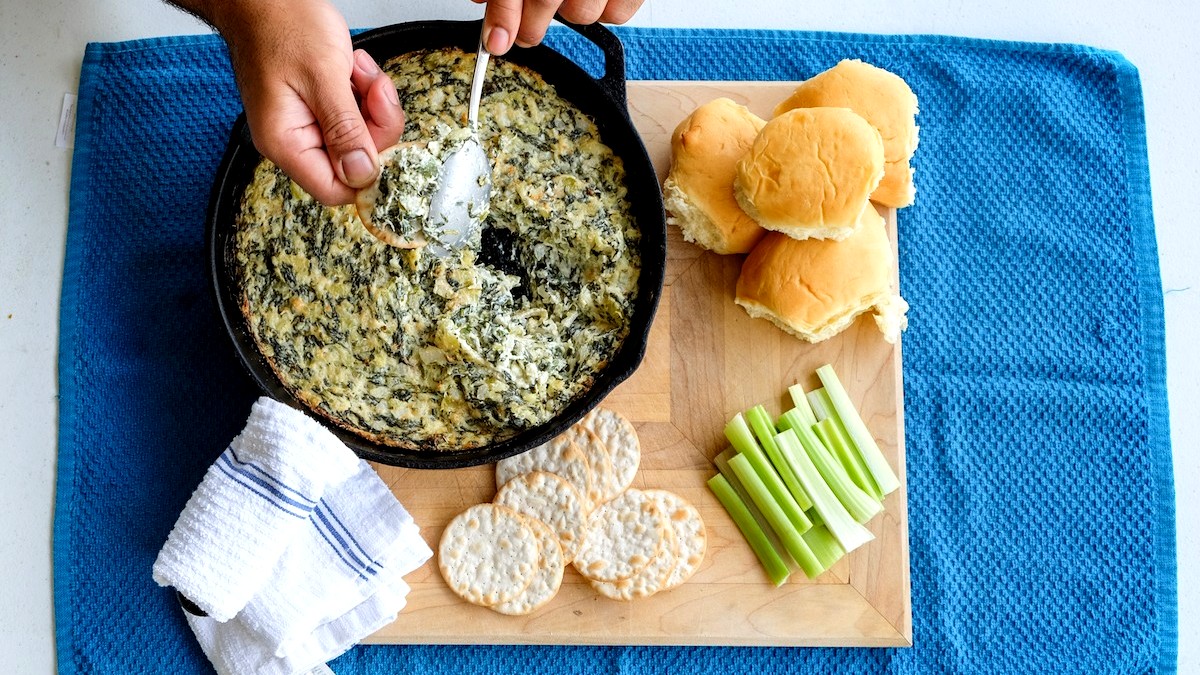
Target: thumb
[501, 21]
[348, 141]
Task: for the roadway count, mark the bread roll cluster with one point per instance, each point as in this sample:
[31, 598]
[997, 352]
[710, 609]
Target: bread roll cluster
[798, 194]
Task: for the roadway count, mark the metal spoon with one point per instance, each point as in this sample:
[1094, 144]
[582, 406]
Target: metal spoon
[459, 202]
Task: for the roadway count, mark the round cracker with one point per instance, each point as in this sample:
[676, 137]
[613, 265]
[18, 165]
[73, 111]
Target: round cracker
[547, 576]
[487, 554]
[650, 579]
[620, 437]
[603, 486]
[560, 456]
[622, 537]
[688, 527]
[410, 153]
[550, 499]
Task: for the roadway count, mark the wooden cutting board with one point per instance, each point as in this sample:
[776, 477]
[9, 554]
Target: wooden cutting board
[706, 361]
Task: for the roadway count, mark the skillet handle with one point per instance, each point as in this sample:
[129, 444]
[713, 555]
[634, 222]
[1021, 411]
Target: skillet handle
[612, 82]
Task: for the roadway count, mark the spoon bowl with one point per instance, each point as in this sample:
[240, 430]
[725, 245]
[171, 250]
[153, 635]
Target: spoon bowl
[464, 187]
[459, 203]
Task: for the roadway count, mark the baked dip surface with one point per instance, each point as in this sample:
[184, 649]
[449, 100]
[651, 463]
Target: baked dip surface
[421, 352]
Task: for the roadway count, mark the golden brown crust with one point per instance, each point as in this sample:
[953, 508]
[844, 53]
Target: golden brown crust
[705, 149]
[810, 171]
[883, 99]
[314, 405]
[815, 288]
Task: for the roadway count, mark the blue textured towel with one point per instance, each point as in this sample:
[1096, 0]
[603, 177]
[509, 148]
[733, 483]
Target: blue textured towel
[1039, 468]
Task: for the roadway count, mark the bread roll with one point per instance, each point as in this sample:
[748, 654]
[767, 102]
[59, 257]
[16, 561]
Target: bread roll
[809, 173]
[815, 288]
[883, 99]
[698, 192]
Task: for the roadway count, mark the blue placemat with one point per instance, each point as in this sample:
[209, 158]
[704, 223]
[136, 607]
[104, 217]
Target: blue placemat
[1039, 468]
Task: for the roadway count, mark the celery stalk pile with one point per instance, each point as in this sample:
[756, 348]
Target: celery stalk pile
[800, 488]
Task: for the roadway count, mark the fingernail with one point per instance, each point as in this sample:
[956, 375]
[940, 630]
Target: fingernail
[497, 40]
[392, 95]
[358, 168]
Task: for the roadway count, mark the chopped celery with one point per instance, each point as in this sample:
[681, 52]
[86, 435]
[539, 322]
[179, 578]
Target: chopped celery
[844, 408]
[814, 517]
[772, 563]
[861, 505]
[762, 497]
[849, 533]
[786, 420]
[823, 545]
[738, 433]
[838, 443]
[801, 402]
[852, 459]
[821, 406]
[764, 429]
[722, 462]
[832, 468]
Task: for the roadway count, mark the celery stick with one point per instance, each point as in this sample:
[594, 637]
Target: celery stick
[849, 533]
[722, 462]
[764, 429]
[876, 463]
[791, 420]
[814, 517]
[738, 433]
[792, 542]
[861, 505]
[801, 402]
[823, 545]
[821, 405]
[852, 459]
[772, 563]
[834, 438]
[833, 467]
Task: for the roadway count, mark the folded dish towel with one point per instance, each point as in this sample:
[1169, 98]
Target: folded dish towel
[358, 539]
[235, 649]
[293, 547]
[250, 505]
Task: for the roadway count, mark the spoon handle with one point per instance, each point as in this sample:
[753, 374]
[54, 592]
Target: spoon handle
[481, 61]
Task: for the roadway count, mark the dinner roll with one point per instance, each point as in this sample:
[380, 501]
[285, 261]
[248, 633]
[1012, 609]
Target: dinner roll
[809, 173]
[883, 99]
[815, 288]
[698, 192]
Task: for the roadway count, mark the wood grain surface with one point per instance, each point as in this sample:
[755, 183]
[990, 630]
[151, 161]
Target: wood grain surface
[706, 361]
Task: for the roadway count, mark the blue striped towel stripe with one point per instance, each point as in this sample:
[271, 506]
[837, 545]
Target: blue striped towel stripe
[330, 529]
[261, 483]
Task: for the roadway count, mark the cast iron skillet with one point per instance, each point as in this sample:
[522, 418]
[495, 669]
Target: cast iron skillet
[602, 99]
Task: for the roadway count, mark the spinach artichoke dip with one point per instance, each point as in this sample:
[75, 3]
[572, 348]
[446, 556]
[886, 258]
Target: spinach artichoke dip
[420, 352]
[394, 207]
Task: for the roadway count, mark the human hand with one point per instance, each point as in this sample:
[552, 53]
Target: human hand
[524, 22]
[317, 108]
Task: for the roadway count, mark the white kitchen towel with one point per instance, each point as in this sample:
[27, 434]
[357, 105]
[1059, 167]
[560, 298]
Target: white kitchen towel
[249, 508]
[333, 638]
[235, 649]
[359, 539]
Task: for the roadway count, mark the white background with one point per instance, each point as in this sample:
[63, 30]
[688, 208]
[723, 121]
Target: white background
[41, 45]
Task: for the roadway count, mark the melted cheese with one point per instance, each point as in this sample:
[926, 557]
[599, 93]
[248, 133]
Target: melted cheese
[446, 353]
